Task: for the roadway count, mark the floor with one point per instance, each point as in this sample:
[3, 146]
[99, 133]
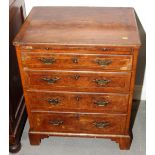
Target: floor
[90, 146]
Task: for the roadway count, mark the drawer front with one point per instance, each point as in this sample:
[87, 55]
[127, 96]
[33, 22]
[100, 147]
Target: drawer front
[77, 101]
[76, 61]
[77, 49]
[84, 80]
[79, 123]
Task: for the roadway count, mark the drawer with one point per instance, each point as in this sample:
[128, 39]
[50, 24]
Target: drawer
[76, 61]
[79, 123]
[62, 80]
[78, 101]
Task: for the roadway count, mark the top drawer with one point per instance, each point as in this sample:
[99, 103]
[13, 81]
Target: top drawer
[76, 61]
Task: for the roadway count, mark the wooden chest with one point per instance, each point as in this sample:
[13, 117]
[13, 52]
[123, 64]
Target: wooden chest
[78, 68]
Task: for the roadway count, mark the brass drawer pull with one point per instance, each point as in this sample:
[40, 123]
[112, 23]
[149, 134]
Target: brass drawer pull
[103, 62]
[101, 82]
[47, 60]
[101, 125]
[75, 60]
[106, 49]
[50, 80]
[53, 101]
[101, 103]
[76, 77]
[56, 122]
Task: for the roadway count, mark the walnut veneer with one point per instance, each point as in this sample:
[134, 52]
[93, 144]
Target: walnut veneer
[78, 66]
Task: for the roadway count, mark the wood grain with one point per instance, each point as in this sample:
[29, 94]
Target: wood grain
[78, 102]
[62, 80]
[78, 123]
[80, 26]
[49, 60]
[78, 71]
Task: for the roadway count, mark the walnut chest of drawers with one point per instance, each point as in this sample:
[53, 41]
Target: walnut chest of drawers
[78, 67]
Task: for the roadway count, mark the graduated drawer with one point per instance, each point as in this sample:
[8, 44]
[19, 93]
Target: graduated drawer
[62, 80]
[79, 123]
[78, 101]
[76, 61]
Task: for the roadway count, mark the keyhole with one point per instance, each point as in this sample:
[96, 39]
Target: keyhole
[77, 98]
[75, 60]
[76, 77]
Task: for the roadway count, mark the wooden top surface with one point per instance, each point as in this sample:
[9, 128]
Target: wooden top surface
[97, 26]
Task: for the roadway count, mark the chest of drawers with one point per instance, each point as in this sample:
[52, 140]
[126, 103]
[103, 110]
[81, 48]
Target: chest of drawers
[77, 66]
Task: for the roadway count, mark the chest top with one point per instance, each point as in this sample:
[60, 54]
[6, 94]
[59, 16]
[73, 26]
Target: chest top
[96, 26]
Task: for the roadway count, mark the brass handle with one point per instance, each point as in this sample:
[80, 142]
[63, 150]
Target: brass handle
[56, 122]
[47, 60]
[101, 124]
[50, 80]
[75, 60]
[76, 77]
[53, 101]
[106, 49]
[103, 62]
[101, 103]
[101, 82]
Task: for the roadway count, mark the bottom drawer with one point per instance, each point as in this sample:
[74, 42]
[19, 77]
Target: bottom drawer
[79, 123]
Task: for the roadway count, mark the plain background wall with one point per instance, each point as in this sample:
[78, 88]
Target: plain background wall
[140, 87]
